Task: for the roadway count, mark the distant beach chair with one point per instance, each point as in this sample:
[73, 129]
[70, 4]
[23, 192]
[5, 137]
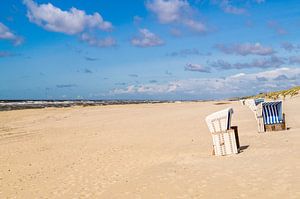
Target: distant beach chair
[258, 101]
[224, 136]
[252, 104]
[270, 116]
[242, 101]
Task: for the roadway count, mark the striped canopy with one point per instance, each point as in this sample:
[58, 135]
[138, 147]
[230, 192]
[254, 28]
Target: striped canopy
[272, 112]
[259, 100]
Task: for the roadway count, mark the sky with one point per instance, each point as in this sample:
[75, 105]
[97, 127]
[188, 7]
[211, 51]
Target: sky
[147, 49]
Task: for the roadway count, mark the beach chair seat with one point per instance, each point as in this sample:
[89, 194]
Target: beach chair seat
[225, 138]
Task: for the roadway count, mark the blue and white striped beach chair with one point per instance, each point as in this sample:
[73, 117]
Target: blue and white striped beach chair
[272, 115]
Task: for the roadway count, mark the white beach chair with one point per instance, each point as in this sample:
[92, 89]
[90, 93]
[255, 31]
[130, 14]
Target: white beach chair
[251, 104]
[242, 101]
[225, 139]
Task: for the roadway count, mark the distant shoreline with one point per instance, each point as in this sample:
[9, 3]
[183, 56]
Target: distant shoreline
[8, 105]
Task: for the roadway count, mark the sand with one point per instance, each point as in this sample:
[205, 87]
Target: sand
[144, 151]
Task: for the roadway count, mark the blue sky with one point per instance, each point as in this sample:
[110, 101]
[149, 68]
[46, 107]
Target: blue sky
[147, 49]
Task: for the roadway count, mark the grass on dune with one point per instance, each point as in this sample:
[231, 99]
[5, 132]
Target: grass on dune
[275, 94]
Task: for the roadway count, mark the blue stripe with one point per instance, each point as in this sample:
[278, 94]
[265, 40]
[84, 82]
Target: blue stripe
[272, 112]
[265, 114]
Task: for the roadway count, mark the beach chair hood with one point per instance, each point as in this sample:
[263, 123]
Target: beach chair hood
[219, 121]
[272, 112]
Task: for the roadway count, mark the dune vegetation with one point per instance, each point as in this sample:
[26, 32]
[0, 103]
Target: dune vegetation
[279, 94]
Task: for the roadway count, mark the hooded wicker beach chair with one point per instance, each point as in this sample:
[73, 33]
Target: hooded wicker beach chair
[270, 116]
[225, 137]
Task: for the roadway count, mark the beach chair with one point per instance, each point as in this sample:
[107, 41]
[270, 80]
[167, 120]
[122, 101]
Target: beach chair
[242, 101]
[270, 116]
[224, 136]
[253, 105]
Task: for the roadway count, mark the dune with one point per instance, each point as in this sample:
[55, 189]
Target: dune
[144, 151]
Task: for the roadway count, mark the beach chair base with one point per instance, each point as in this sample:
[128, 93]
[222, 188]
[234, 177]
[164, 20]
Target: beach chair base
[226, 143]
[275, 127]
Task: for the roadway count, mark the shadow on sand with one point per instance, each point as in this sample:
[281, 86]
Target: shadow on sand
[242, 148]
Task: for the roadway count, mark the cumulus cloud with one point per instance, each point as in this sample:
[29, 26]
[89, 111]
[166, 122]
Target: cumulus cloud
[98, 42]
[73, 21]
[177, 12]
[245, 49]
[271, 62]
[150, 88]
[227, 7]
[235, 85]
[281, 78]
[7, 34]
[146, 39]
[289, 46]
[196, 68]
[221, 64]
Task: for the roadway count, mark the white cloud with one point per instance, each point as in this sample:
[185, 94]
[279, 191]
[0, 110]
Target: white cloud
[7, 34]
[234, 85]
[197, 67]
[168, 11]
[175, 11]
[270, 62]
[246, 49]
[146, 39]
[289, 46]
[69, 22]
[227, 7]
[93, 41]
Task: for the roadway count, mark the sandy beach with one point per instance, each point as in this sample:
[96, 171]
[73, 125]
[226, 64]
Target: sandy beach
[144, 151]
